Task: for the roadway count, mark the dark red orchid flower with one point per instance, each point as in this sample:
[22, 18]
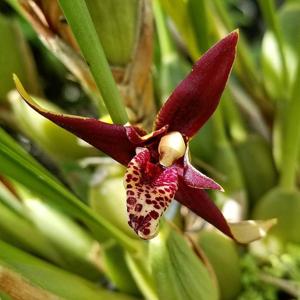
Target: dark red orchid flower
[158, 167]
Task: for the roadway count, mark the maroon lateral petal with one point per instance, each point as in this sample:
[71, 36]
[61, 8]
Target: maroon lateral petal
[199, 202]
[195, 99]
[109, 138]
[196, 179]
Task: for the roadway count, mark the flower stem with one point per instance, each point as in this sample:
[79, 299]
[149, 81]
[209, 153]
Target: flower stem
[83, 28]
[291, 142]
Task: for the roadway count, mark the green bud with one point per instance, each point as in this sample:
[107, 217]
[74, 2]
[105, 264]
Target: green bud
[178, 272]
[53, 279]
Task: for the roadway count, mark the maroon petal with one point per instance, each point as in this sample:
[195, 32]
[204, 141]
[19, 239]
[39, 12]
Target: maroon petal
[199, 202]
[150, 189]
[196, 179]
[109, 138]
[195, 99]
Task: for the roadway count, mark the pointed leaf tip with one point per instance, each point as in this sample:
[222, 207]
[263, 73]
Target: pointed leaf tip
[195, 99]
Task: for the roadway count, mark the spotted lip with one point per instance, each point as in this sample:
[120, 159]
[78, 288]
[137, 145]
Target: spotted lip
[147, 200]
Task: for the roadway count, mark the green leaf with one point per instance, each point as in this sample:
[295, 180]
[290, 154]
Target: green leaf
[16, 164]
[72, 242]
[53, 279]
[16, 230]
[178, 272]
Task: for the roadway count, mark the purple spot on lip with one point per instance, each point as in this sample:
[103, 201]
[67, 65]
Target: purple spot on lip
[131, 201]
[154, 214]
[138, 207]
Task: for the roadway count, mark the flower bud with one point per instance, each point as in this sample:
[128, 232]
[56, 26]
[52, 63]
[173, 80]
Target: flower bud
[171, 147]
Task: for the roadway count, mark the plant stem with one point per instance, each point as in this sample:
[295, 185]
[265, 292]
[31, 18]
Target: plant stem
[83, 28]
[291, 140]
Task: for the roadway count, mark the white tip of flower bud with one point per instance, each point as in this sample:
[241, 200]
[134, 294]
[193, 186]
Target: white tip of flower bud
[171, 147]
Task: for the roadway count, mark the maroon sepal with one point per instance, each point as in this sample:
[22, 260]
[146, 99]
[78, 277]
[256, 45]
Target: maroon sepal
[195, 99]
[199, 202]
[109, 138]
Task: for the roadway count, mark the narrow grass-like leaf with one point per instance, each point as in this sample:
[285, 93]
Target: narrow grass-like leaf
[79, 251]
[34, 177]
[53, 279]
[79, 18]
[16, 230]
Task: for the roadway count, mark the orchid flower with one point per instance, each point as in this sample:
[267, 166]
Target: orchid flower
[158, 166]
